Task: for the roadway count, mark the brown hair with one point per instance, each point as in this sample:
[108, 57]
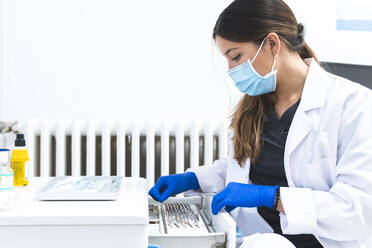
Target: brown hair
[251, 21]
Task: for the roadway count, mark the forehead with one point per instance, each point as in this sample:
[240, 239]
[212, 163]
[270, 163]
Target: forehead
[224, 45]
[223, 42]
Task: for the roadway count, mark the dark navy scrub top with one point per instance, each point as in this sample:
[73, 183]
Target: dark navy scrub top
[269, 170]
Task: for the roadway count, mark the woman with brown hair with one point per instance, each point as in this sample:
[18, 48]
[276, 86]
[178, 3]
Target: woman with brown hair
[300, 161]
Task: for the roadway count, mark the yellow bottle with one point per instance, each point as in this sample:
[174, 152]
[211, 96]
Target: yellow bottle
[19, 162]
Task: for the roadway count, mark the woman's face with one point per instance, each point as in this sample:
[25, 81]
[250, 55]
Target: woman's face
[237, 53]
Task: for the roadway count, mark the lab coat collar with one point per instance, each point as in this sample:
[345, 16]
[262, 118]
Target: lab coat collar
[314, 92]
[313, 97]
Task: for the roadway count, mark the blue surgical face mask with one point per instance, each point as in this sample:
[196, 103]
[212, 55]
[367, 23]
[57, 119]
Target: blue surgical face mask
[247, 80]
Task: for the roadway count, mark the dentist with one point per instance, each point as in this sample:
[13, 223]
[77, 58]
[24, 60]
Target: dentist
[300, 160]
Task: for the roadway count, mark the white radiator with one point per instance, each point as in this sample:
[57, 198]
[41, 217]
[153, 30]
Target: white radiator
[150, 150]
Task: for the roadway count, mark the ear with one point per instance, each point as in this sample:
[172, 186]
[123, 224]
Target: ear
[274, 43]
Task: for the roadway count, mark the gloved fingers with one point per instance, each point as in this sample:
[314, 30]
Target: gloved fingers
[166, 194]
[163, 186]
[229, 208]
[217, 199]
[218, 207]
[154, 192]
[158, 188]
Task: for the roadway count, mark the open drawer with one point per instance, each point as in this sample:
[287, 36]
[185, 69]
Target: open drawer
[188, 222]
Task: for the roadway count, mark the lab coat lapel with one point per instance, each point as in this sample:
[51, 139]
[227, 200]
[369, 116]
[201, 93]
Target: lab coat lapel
[300, 128]
[313, 97]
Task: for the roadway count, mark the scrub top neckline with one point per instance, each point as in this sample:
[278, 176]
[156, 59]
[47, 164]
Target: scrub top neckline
[286, 116]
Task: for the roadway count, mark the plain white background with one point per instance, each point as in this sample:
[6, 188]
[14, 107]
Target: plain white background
[134, 60]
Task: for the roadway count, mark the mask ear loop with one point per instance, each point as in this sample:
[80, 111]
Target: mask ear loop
[275, 58]
[258, 50]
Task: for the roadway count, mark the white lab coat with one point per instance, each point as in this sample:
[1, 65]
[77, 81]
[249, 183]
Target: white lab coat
[327, 162]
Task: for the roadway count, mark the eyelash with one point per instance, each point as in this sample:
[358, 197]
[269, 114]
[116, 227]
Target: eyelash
[236, 58]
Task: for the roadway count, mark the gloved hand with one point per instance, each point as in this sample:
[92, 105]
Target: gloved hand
[244, 195]
[174, 184]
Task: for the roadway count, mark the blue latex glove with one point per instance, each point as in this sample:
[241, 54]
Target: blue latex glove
[174, 184]
[244, 195]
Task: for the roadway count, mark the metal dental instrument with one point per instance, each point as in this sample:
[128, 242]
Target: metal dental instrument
[180, 215]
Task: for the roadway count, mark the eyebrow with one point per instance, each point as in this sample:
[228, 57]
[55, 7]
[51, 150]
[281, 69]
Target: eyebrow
[229, 50]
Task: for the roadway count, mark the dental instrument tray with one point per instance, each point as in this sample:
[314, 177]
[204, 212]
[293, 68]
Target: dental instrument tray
[81, 188]
[188, 222]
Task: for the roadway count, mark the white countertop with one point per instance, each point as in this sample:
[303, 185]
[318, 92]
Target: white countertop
[130, 209]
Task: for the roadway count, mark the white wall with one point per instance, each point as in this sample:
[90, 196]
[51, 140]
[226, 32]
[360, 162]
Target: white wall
[320, 18]
[114, 59]
[111, 59]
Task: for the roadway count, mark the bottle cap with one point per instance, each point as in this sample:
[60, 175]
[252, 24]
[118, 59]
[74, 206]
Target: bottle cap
[20, 140]
[4, 155]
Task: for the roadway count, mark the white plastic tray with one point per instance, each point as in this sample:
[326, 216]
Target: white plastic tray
[81, 188]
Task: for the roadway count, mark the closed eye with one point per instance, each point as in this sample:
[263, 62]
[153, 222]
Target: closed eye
[236, 58]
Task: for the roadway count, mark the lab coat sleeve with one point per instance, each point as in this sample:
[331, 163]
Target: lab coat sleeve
[212, 178]
[343, 213]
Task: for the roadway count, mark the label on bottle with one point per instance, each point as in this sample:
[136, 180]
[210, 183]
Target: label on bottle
[6, 181]
[27, 169]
